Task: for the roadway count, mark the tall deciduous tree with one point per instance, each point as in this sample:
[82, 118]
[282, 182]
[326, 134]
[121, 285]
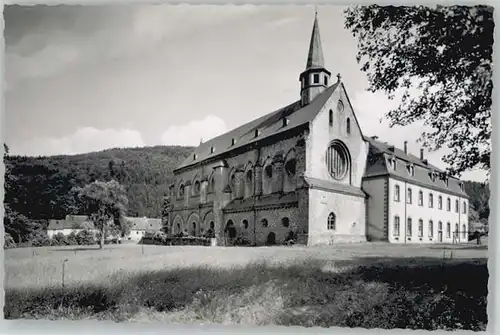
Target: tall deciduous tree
[105, 203]
[440, 60]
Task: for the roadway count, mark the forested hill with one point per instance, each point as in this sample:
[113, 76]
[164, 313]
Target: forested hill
[39, 187]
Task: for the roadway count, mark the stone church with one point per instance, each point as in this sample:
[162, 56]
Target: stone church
[307, 173]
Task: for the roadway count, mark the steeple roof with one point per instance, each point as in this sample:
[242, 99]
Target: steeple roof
[315, 56]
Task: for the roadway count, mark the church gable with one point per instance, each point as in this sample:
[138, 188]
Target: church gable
[337, 150]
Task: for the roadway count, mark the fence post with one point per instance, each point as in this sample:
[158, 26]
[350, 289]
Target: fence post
[63, 266]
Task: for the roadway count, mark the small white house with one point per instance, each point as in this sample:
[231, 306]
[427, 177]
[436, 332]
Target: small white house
[140, 226]
[72, 223]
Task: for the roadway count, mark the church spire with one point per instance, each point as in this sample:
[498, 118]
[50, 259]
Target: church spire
[315, 55]
[315, 78]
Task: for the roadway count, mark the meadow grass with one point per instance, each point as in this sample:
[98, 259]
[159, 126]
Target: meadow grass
[369, 285]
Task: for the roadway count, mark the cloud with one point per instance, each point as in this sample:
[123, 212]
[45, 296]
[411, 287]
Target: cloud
[192, 132]
[86, 139]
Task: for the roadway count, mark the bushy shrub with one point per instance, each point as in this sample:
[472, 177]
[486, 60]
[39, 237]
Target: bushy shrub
[86, 237]
[40, 240]
[71, 239]
[59, 239]
[9, 242]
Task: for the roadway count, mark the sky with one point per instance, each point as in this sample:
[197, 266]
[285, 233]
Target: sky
[88, 78]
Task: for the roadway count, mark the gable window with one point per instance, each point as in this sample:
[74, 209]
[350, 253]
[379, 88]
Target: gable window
[408, 200]
[465, 208]
[337, 159]
[448, 230]
[448, 204]
[420, 228]
[330, 117]
[396, 231]
[348, 126]
[420, 198]
[408, 227]
[440, 202]
[316, 78]
[457, 205]
[431, 228]
[396, 193]
[331, 221]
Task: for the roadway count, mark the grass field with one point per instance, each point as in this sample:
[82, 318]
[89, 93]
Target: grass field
[364, 285]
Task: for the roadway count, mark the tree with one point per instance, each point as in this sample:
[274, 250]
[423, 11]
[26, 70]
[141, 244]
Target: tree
[105, 203]
[444, 52]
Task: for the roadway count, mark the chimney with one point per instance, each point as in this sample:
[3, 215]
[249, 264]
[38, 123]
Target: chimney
[421, 154]
[406, 147]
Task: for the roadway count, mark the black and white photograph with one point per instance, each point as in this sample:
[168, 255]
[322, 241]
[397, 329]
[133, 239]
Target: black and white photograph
[260, 165]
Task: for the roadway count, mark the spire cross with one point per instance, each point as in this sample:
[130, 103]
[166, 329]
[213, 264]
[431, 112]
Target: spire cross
[316, 10]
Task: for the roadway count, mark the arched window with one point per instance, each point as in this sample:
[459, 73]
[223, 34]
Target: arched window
[249, 176]
[431, 228]
[264, 223]
[420, 228]
[448, 230]
[337, 160]
[331, 222]
[290, 167]
[348, 125]
[396, 193]
[465, 208]
[409, 200]
[457, 205]
[269, 171]
[211, 185]
[464, 232]
[431, 200]
[330, 116]
[285, 222]
[440, 226]
[420, 198]
[181, 190]
[408, 227]
[197, 187]
[448, 204]
[456, 231]
[396, 231]
[194, 229]
[245, 224]
[440, 202]
[212, 225]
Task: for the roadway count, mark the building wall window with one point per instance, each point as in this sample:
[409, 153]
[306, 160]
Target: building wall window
[285, 222]
[264, 223]
[245, 224]
[409, 200]
[456, 231]
[457, 206]
[465, 208]
[431, 200]
[420, 198]
[440, 202]
[464, 232]
[440, 226]
[448, 204]
[408, 227]
[337, 159]
[448, 230]
[431, 228]
[331, 221]
[396, 231]
[420, 228]
[396, 193]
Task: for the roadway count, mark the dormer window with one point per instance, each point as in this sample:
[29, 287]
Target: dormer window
[432, 176]
[194, 157]
[461, 186]
[257, 132]
[316, 78]
[212, 149]
[411, 170]
[285, 122]
[233, 141]
[392, 163]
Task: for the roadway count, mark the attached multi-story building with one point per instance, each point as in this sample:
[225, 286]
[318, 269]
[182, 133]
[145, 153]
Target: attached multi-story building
[306, 172]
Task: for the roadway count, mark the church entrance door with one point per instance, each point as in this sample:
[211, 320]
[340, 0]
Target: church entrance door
[230, 232]
[271, 239]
